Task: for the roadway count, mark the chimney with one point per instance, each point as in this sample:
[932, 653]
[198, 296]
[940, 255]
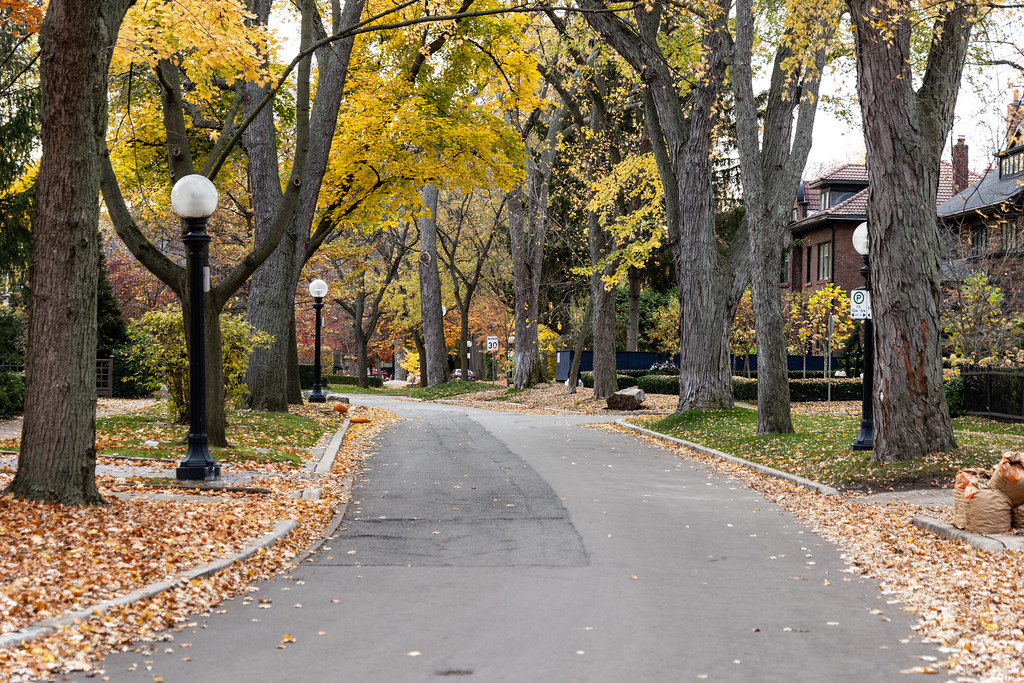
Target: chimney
[960, 175]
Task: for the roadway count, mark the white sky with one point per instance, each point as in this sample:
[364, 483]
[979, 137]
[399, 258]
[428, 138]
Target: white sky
[979, 116]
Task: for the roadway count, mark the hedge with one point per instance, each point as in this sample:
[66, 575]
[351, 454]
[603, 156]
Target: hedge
[306, 379]
[623, 381]
[954, 387]
[12, 393]
[659, 384]
[800, 390]
[349, 380]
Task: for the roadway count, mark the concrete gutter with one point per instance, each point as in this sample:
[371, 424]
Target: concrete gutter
[725, 457]
[991, 543]
[48, 626]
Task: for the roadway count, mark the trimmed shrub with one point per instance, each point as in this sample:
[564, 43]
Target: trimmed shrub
[801, 390]
[744, 389]
[659, 384]
[12, 393]
[817, 390]
[132, 376]
[306, 376]
[345, 380]
[954, 387]
[623, 381]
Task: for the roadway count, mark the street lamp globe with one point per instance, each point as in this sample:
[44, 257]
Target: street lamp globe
[318, 289]
[194, 196]
[860, 239]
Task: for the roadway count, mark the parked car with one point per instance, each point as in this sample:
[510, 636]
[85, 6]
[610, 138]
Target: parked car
[457, 375]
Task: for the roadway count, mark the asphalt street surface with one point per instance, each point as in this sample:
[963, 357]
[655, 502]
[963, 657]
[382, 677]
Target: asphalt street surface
[489, 546]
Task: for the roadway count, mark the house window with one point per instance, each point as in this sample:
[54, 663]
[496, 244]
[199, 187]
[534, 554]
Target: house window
[979, 240]
[1011, 164]
[826, 198]
[809, 263]
[784, 278]
[1008, 235]
[825, 261]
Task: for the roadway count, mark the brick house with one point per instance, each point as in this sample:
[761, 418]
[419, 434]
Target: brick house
[827, 211]
[984, 222]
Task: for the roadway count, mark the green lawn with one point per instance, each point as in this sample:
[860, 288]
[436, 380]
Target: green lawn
[449, 389]
[820, 447]
[255, 437]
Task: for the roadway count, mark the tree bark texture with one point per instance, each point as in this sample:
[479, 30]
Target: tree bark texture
[680, 128]
[57, 461]
[528, 226]
[772, 158]
[603, 306]
[430, 292]
[272, 291]
[904, 131]
[633, 311]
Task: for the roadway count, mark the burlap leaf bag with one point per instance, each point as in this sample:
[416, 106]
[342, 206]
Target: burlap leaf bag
[1008, 477]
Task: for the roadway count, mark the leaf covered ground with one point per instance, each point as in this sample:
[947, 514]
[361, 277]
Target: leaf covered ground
[55, 559]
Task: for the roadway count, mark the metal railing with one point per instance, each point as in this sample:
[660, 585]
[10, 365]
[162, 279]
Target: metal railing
[989, 393]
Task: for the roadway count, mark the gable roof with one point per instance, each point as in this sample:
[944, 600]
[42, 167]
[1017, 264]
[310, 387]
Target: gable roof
[856, 207]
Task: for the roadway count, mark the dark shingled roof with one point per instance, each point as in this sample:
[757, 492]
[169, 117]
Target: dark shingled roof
[989, 192]
[857, 206]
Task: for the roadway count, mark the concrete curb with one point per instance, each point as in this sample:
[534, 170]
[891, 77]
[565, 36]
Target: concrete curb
[995, 543]
[326, 462]
[719, 455]
[48, 626]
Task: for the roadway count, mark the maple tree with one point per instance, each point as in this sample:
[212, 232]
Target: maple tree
[186, 59]
[978, 329]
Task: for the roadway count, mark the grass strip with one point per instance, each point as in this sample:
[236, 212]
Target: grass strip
[819, 449]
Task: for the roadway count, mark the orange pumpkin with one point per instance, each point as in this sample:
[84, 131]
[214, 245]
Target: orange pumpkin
[341, 407]
[359, 420]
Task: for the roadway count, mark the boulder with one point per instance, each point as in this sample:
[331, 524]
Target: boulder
[626, 399]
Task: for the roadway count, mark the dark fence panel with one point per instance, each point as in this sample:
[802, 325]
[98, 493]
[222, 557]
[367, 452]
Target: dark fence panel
[994, 394]
[104, 375]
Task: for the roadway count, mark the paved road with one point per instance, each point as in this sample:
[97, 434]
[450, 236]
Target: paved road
[493, 547]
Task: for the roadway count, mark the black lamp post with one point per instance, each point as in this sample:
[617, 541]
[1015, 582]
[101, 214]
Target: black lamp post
[866, 439]
[318, 290]
[194, 198]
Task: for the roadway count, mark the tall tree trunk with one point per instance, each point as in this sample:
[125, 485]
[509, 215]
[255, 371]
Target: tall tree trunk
[430, 292]
[633, 314]
[528, 226]
[603, 307]
[707, 272]
[581, 340]
[272, 292]
[421, 350]
[57, 461]
[904, 133]
[771, 172]
[294, 383]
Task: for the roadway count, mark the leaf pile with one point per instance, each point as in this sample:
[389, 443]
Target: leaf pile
[56, 559]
